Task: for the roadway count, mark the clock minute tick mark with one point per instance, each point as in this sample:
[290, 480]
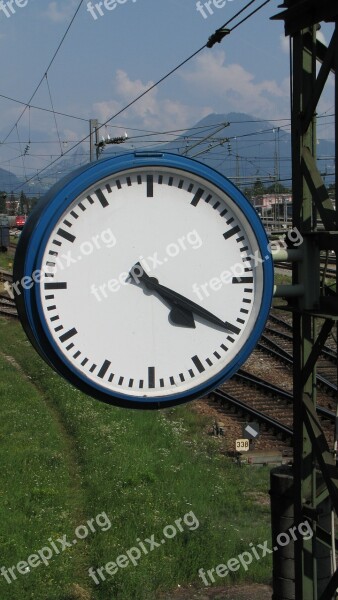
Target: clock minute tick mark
[66, 235]
[101, 197]
[150, 186]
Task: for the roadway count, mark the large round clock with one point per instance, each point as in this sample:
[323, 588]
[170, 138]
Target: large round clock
[144, 279]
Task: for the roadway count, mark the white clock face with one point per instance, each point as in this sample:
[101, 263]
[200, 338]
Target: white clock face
[117, 329]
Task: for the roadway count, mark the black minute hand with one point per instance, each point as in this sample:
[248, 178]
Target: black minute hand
[176, 299]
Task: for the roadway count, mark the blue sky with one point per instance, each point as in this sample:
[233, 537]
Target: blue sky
[105, 63]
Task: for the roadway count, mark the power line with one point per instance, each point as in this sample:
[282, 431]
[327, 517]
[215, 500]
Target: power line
[52, 105]
[43, 109]
[46, 71]
[153, 86]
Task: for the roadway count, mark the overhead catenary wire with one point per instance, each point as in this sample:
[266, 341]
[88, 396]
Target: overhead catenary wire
[52, 105]
[150, 88]
[46, 71]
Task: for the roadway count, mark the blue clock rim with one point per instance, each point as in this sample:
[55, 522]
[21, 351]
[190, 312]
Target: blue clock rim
[41, 223]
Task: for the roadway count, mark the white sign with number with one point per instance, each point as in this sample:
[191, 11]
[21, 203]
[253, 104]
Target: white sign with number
[242, 445]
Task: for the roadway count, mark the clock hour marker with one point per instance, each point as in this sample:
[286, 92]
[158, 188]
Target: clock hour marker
[68, 334]
[56, 285]
[197, 197]
[104, 369]
[197, 364]
[150, 186]
[242, 280]
[66, 235]
[151, 377]
[231, 232]
[101, 197]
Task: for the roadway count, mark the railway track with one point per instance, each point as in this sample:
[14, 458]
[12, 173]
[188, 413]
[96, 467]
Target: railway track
[252, 394]
[7, 307]
[6, 276]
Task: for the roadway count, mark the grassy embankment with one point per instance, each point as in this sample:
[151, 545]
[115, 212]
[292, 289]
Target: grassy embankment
[67, 458]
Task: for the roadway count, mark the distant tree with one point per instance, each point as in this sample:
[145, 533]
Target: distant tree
[12, 205]
[258, 188]
[277, 188]
[3, 197]
[23, 204]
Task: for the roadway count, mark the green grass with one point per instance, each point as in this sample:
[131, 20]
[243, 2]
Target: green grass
[143, 469]
[6, 262]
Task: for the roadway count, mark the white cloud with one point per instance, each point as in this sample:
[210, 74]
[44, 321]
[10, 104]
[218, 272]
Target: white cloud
[151, 111]
[233, 88]
[57, 13]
